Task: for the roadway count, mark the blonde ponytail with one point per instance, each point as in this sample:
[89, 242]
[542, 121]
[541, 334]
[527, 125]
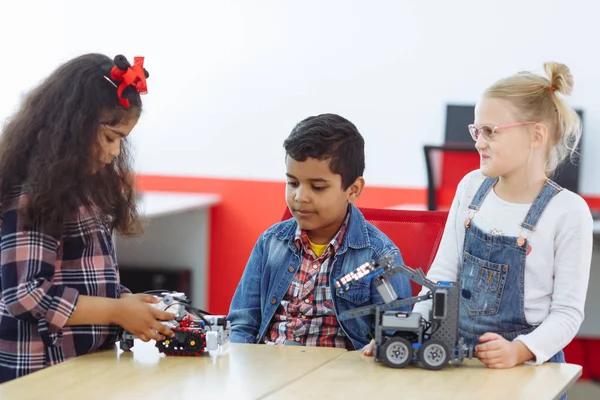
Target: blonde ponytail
[568, 122]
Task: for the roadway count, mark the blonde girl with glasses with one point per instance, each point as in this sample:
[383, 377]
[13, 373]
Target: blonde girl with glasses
[519, 245]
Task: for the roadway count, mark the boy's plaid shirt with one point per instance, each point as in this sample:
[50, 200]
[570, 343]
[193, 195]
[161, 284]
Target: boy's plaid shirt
[306, 314]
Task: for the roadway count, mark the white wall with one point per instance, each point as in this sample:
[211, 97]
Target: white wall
[229, 79]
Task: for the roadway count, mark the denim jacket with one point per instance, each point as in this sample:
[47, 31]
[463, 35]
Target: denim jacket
[274, 261]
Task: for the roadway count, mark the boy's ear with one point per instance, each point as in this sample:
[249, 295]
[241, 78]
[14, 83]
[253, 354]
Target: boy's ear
[354, 191]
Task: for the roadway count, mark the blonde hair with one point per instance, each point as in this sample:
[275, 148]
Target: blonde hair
[537, 99]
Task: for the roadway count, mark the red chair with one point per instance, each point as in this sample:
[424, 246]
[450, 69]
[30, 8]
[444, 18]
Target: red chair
[446, 166]
[416, 233]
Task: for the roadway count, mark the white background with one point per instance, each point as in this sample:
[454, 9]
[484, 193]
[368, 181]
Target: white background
[229, 79]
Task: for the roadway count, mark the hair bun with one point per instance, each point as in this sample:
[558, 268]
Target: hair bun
[560, 77]
[121, 62]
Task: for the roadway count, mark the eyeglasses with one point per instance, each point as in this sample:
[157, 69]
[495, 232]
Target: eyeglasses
[488, 131]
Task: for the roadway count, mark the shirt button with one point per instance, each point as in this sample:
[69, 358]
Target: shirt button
[297, 339]
[273, 300]
[307, 301]
[291, 269]
[315, 266]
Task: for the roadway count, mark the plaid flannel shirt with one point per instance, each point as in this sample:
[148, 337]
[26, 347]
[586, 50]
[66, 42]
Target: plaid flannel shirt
[41, 279]
[306, 315]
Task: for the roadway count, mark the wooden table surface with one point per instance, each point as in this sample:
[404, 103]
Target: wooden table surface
[246, 371]
[241, 372]
[354, 376]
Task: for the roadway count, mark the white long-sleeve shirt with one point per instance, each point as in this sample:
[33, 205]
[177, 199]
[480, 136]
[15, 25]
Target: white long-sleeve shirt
[557, 269]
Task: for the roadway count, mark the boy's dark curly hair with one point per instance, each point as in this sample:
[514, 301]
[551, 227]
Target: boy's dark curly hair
[329, 137]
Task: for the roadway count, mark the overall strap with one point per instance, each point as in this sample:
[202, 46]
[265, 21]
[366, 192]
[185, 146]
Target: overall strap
[481, 193]
[549, 190]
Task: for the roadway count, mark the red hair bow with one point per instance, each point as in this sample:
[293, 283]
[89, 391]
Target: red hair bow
[134, 75]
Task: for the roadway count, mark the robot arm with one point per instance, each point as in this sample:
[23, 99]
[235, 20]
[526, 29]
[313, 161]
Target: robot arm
[383, 269]
[342, 284]
[372, 308]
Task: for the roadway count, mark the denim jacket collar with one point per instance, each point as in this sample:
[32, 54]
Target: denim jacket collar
[356, 236]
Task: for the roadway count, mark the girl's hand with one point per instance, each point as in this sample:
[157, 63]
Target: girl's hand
[139, 318]
[497, 352]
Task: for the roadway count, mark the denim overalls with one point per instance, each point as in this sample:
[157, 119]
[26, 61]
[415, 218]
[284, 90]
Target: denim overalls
[492, 273]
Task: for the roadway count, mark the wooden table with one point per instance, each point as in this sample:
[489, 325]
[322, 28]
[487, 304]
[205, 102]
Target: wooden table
[354, 376]
[241, 372]
[279, 372]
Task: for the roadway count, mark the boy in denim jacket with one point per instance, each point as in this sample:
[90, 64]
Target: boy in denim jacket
[286, 293]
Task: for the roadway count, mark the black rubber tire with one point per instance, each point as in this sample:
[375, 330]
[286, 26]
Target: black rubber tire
[396, 352]
[434, 355]
[126, 345]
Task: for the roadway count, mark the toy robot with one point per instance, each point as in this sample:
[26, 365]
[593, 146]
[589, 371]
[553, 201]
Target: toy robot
[196, 331]
[405, 337]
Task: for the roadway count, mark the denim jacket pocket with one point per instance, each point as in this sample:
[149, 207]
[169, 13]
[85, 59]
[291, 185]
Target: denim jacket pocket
[482, 285]
[358, 293]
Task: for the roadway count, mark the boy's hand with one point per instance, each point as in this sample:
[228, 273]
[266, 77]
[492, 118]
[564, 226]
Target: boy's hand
[368, 349]
[139, 318]
[497, 352]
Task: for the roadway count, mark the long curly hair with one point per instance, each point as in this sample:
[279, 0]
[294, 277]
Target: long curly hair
[48, 146]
